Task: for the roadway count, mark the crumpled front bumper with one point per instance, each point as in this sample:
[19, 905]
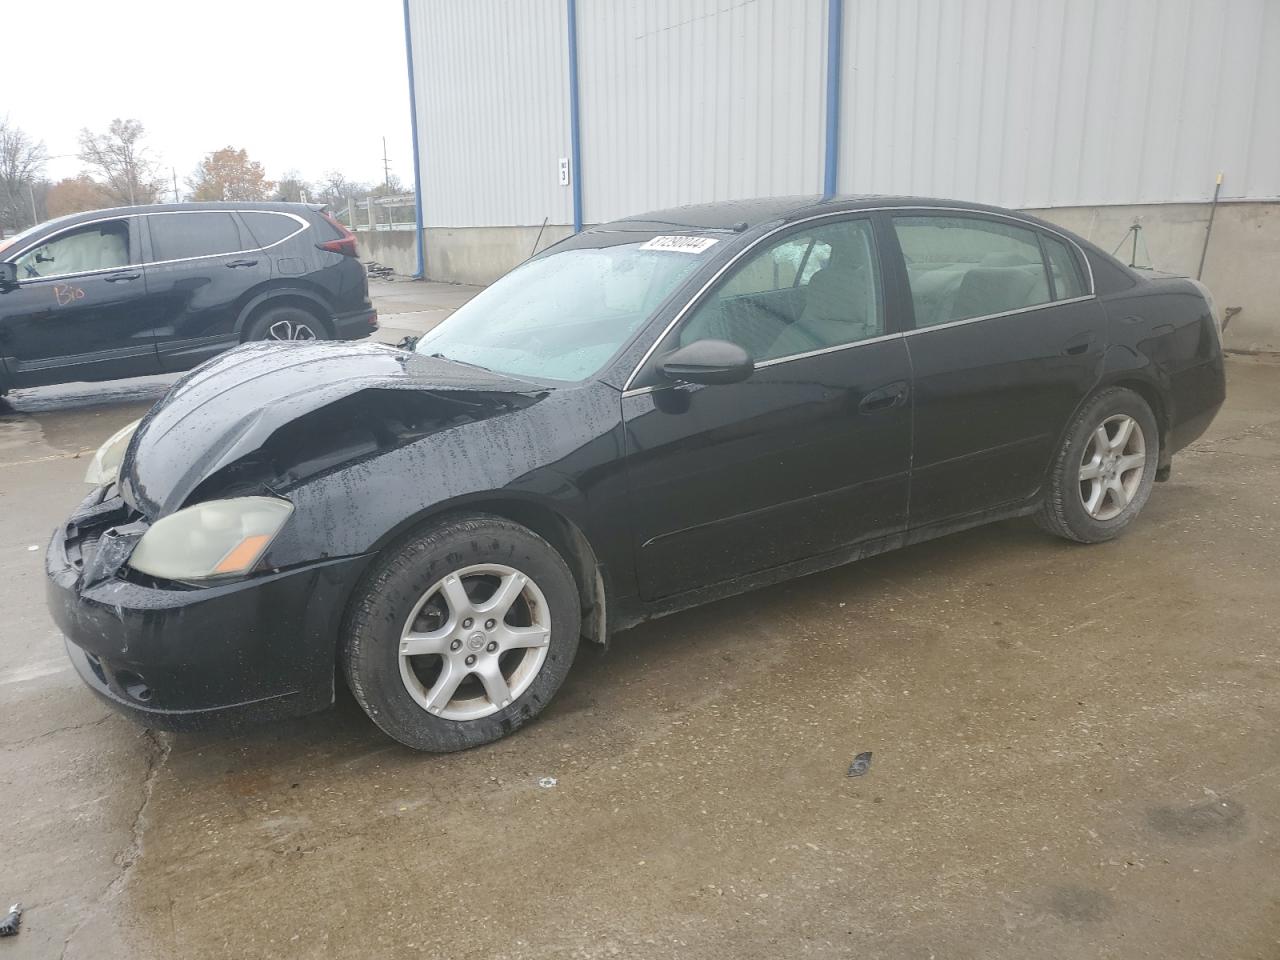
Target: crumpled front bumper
[178, 658]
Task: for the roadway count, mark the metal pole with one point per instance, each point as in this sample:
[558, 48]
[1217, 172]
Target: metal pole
[419, 226]
[575, 131]
[1213, 208]
[31, 193]
[835, 30]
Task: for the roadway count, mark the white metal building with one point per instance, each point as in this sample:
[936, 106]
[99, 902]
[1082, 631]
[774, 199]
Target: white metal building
[1092, 112]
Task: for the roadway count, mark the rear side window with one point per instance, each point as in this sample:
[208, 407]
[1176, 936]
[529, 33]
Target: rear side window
[269, 228]
[177, 236]
[963, 267]
[1068, 282]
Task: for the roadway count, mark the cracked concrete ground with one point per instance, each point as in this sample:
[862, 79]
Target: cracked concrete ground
[1074, 755]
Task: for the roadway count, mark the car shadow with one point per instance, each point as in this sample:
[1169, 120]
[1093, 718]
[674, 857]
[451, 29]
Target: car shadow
[613, 696]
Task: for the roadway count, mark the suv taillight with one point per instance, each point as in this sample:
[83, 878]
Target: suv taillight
[346, 242]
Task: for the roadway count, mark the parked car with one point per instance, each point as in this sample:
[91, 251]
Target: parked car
[649, 415]
[141, 290]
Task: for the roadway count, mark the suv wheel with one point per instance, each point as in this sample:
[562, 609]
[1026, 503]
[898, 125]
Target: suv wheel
[462, 634]
[286, 323]
[1103, 473]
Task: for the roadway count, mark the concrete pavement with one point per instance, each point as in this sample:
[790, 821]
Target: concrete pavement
[1074, 755]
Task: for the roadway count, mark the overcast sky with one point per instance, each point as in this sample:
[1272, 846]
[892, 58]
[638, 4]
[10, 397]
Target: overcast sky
[312, 86]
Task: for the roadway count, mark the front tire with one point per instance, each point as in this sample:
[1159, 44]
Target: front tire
[1104, 470]
[462, 634]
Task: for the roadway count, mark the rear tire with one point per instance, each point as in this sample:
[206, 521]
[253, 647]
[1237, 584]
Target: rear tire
[494, 614]
[1102, 476]
[286, 323]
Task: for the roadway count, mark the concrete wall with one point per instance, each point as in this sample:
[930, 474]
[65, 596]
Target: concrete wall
[482, 254]
[391, 248]
[1242, 267]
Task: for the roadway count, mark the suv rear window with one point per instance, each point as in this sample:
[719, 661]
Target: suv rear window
[177, 236]
[269, 228]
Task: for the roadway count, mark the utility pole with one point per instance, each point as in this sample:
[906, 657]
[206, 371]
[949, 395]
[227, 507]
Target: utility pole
[31, 192]
[386, 165]
[175, 184]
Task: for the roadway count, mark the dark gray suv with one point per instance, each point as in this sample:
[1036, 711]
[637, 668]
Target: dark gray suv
[142, 290]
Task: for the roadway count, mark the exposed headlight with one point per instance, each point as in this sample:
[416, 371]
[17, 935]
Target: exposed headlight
[105, 465]
[215, 539]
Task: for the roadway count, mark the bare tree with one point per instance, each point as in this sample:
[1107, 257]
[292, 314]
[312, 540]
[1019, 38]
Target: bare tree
[128, 173]
[293, 189]
[21, 161]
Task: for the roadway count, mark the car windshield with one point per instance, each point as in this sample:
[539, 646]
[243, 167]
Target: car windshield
[562, 316]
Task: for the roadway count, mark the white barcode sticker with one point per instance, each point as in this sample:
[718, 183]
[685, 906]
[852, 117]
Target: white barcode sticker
[680, 244]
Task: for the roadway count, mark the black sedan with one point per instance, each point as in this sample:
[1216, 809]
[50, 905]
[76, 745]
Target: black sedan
[651, 414]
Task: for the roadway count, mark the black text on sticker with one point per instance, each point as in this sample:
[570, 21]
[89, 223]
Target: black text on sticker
[680, 244]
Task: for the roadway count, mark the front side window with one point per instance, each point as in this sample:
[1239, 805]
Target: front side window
[97, 246]
[810, 291]
[563, 315]
[179, 236]
[964, 267]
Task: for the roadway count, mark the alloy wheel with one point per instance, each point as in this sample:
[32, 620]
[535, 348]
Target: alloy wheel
[1112, 466]
[475, 641]
[290, 330]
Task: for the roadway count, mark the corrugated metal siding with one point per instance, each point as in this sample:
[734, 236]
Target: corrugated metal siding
[1040, 103]
[1023, 103]
[691, 100]
[491, 80]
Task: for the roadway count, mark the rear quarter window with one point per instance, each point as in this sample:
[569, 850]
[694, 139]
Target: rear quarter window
[180, 236]
[269, 228]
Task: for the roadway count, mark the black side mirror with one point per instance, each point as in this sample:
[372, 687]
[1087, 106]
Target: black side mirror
[8, 276]
[708, 361]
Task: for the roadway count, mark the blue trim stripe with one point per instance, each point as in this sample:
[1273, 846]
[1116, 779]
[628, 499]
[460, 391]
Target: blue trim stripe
[575, 132]
[835, 32]
[417, 162]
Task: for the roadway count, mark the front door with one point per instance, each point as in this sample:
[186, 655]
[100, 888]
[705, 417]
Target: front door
[1008, 340]
[74, 314]
[811, 453]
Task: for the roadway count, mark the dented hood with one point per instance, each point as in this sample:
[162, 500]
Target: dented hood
[228, 407]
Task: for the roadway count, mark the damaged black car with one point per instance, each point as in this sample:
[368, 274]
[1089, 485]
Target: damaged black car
[651, 414]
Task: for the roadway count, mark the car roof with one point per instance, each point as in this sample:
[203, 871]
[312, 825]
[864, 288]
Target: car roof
[281, 206]
[742, 215]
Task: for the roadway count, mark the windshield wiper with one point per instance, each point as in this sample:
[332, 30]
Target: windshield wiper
[465, 363]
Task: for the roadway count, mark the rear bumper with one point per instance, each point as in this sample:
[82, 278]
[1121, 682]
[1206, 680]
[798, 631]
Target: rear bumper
[183, 659]
[355, 325]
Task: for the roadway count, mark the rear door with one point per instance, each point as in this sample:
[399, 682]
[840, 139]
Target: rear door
[202, 267]
[811, 453]
[74, 314]
[1007, 340]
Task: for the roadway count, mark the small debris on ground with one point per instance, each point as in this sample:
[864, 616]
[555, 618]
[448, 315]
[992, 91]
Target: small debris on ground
[547, 782]
[9, 926]
[34, 546]
[861, 764]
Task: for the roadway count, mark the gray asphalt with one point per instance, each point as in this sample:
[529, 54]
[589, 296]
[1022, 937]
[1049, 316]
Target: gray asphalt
[1074, 755]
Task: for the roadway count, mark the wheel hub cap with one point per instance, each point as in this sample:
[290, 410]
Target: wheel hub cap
[1112, 467]
[457, 672]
